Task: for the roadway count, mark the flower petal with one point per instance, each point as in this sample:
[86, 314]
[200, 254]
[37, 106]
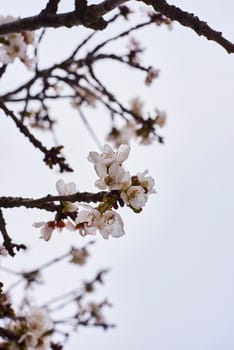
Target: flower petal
[60, 187]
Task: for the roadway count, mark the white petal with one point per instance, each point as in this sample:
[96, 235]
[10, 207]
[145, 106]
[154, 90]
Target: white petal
[116, 171]
[71, 206]
[90, 230]
[60, 187]
[105, 234]
[123, 153]
[107, 149]
[101, 169]
[70, 226]
[93, 157]
[70, 188]
[83, 216]
[112, 224]
[39, 224]
[126, 181]
[46, 233]
[100, 183]
[118, 229]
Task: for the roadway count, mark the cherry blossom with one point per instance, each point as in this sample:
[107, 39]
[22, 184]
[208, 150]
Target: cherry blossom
[135, 196]
[124, 134]
[47, 229]
[116, 178]
[65, 190]
[108, 157]
[147, 182]
[109, 223]
[15, 45]
[38, 324]
[86, 221]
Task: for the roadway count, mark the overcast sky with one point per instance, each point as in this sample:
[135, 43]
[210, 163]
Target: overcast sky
[172, 274]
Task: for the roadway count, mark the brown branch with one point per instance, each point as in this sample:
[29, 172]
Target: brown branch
[8, 335]
[52, 156]
[190, 20]
[51, 7]
[91, 18]
[47, 202]
[7, 241]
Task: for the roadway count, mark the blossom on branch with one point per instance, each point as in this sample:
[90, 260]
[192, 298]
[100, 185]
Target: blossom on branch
[65, 190]
[109, 223]
[34, 330]
[15, 45]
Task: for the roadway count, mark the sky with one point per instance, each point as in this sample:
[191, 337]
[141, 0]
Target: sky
[171, 280]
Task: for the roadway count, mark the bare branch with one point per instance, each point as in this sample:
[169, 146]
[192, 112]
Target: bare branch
[52, 156]
[51, 7]
[91, 18]
[7, 241]
[47, 202]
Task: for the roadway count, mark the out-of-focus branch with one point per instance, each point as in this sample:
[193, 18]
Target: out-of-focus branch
[52, 156]
[7, 241]
[190, 20]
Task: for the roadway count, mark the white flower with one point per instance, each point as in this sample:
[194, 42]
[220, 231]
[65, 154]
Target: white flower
[47, 229]
[38, 323]
[135, 196]
[29, 339]
[14, 45]
[109, 156]
[116, 179]
[119, 179]
[124, 134]
[86, 221]
[111, 224]
[147, 182]
[65, 190]
[108, 166]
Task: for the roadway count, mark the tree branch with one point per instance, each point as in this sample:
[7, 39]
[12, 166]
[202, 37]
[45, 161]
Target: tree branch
[51, 7]
[91, 17]
[7, 241]
[47, 202]
[52, 156]
[190, 20]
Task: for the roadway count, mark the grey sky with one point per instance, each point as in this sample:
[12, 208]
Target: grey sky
[172, 275]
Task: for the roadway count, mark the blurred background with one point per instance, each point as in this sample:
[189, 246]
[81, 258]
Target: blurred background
[171, 277]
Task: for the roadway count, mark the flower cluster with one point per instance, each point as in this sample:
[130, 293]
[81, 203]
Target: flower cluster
[143, 129]
[79, 256]
[123, 189]
[133, 191]
[48, 227]
[15, 45]
[34, 330]
[108, 223]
